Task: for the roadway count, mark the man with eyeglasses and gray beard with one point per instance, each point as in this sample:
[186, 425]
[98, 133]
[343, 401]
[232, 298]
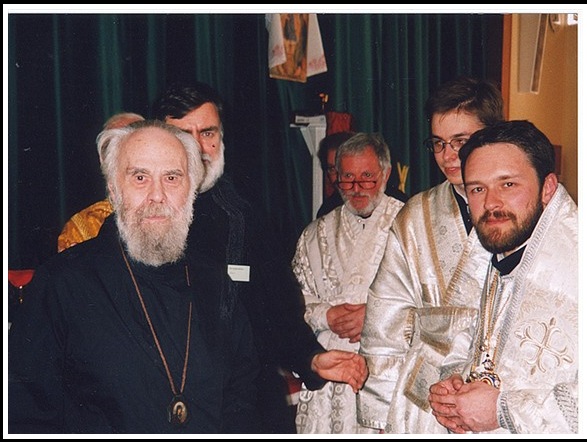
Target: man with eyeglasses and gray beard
[336, 258]
[125, 333]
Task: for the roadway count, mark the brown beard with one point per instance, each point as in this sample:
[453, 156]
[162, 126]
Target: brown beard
[496, 241]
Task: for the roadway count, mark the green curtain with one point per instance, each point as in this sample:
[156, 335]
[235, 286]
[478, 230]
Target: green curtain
[69, 72]
[384, 66]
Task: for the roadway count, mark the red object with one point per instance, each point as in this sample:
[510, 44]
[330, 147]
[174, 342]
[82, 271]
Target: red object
[294, 386]
[338, 122]
[20, 278]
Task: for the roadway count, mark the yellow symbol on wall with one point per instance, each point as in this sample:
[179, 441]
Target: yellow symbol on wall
[402, 171]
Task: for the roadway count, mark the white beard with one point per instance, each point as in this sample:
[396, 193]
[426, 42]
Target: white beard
[366, 211]
[214, 170]
[155, 244]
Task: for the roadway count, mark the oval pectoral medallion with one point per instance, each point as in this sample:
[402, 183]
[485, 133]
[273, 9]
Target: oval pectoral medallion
[488, 377]
[177, 411]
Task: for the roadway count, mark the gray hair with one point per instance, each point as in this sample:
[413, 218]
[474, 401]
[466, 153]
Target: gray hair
[122, 119]
[359, 142]
[109, 143]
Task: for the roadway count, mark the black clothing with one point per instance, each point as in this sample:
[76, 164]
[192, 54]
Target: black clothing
[464, 209]
[82, 358]
[509, 263]
[228, 231]
[335, 200]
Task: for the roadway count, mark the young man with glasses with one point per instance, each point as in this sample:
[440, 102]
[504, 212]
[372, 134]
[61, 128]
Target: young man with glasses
[427, 291]
[337, 257]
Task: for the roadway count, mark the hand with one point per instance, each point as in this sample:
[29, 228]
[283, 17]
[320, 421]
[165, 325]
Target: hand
[464, 407]
[346, 320]
[341, 366]
[442, 401]
[447, 386]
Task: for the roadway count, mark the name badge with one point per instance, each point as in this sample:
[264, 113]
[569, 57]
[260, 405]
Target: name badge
[239, 272]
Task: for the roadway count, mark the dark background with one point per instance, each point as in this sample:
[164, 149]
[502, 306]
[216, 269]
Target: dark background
[67, 73]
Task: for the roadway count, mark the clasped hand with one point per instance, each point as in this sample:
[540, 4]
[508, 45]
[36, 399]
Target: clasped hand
[463, 407]
[346, 320]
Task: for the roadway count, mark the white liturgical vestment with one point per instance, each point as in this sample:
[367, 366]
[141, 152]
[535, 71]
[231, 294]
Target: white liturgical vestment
[336, 259]
[412, 343]
[421, 307]
[534, 343]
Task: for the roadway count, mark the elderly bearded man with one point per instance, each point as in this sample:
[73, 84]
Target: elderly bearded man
[124, 333]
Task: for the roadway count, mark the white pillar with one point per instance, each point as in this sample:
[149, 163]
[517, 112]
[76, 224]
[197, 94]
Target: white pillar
[313, 130]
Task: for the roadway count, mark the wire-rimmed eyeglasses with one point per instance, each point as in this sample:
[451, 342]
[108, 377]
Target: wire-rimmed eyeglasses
[437, 145]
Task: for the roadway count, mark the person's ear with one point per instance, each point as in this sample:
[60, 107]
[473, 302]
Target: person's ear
[388, 174]
[549, 188]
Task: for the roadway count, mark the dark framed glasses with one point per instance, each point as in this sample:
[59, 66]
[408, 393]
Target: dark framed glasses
[437, 145]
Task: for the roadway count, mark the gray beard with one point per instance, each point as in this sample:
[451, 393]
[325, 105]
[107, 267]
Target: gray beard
[214, 170]
[154, 245]
[367, 210]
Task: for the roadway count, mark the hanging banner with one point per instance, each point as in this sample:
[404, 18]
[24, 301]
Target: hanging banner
[295, 46]
[316, 58]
